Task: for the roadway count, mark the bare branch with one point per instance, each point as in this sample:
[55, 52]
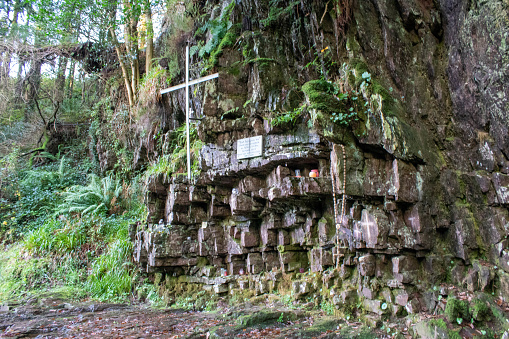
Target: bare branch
[39, 110]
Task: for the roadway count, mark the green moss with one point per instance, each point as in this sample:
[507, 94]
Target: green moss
[359, 68]
[390, 106]
[202, 262]
[264, 317]
[456, 309]
[440, 323]
[317, 86]
[234, 70]
[321, 326]
[454, 334]
[499, 315]
[320, 96]
[157, 278]
[481, 311]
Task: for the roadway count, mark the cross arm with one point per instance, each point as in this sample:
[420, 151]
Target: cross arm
[194, 82]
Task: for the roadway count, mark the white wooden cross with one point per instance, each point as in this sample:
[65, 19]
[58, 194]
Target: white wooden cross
[186, 85]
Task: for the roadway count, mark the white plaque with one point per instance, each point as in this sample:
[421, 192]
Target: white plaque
[250, 147]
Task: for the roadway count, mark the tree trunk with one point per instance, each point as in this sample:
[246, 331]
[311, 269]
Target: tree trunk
[20, 80]
[125, 72]
[149, 52]
[70, 83]
[60, 80]
[134, 55]
[6, 65]
[34, 83]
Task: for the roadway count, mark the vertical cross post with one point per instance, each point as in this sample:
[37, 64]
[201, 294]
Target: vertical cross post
[187, 115]
[186, 85]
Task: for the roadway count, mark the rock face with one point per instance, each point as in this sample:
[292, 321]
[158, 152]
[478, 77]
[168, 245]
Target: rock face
[427, 185]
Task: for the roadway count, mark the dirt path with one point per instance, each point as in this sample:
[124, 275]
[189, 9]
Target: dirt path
[55, 318]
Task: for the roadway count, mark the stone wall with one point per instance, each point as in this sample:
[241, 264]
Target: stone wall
[426, 184]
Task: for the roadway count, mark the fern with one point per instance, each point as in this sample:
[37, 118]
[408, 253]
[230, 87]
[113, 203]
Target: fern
[98, 197]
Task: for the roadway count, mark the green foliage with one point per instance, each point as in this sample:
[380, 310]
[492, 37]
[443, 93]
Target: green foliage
[320, 94]
[440, 323]
[149, 293]
[112, 273]
[114, 137]
[9, 168]
[184, 302]
[223, 34]
[56, 236]
[277, 13]
[323, 63]
[500, 316]
[232, 113]
[88, 255]
[93, 133]
[454, 334]
[34, 194]
[100, 196]
[324, 96]
[288, 118]
[22, 274]
[156, 79]
[175, 162]
[353, 97]
[327, 307]
[489, 333]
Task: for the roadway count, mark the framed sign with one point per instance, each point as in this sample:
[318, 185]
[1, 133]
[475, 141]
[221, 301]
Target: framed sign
[250, 147]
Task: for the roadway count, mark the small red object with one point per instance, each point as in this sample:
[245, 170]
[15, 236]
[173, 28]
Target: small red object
[314, 174]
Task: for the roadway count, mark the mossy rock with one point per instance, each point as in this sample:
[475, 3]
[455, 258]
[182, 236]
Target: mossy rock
[319, 94]
[317, 86]
[321, 326]
[481, 311]
[456, 309]
[264, 317]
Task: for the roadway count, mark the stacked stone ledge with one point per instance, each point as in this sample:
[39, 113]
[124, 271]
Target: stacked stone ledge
[252, 225]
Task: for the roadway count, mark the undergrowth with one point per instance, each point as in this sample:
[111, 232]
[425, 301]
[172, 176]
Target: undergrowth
[174, 156]
[62, 232]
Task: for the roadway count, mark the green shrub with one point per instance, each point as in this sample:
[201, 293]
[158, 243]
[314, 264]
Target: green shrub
[34, 194]
[222, 34]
